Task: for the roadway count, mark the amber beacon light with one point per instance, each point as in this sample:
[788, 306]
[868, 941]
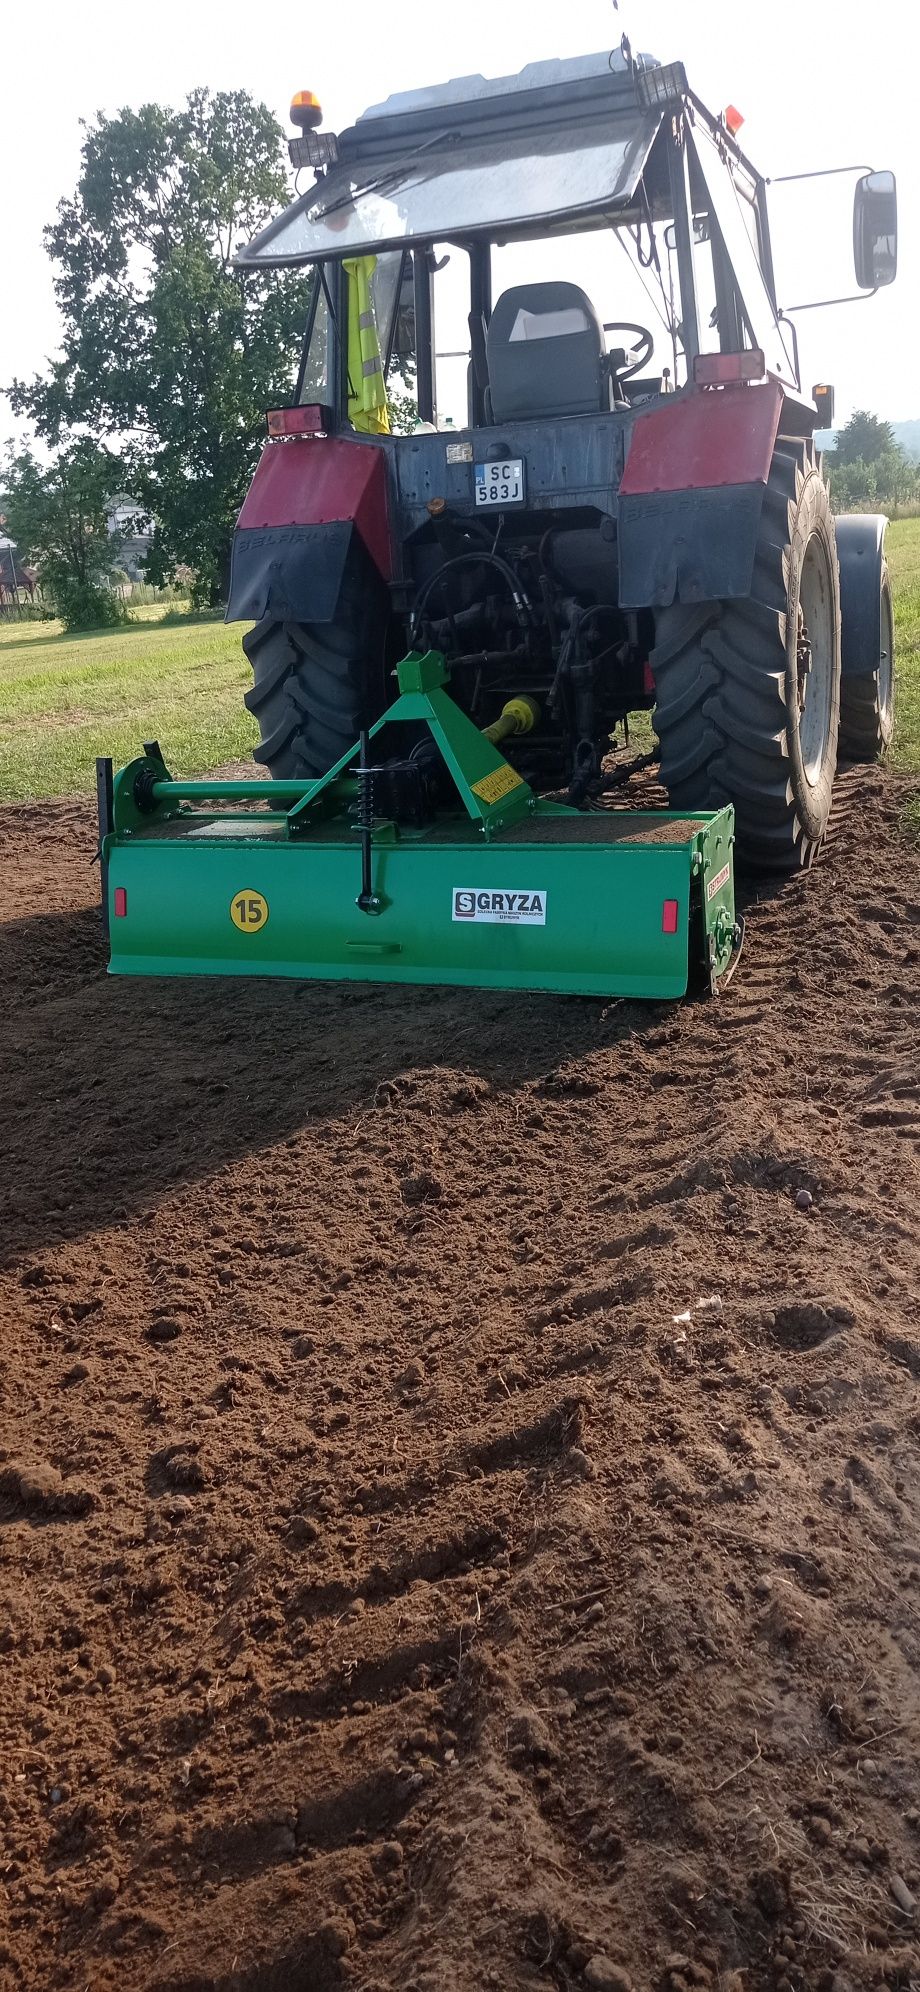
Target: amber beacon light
[306, 110]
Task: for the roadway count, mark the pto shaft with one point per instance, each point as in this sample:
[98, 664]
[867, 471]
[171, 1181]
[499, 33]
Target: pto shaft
[520, 715]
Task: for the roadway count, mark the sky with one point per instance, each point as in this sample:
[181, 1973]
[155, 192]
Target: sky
[823, 90]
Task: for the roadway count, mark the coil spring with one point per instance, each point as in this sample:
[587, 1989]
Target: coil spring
[366, 796]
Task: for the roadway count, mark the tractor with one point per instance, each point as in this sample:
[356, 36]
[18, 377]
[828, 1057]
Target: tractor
[540, 515]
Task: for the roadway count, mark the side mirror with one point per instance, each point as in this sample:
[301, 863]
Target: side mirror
[875, 230]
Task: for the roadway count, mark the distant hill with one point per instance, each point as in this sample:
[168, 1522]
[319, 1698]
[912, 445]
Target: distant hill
[908, 435]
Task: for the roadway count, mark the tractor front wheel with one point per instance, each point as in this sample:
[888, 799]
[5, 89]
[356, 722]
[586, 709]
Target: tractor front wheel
[748, 707]
[867, 697]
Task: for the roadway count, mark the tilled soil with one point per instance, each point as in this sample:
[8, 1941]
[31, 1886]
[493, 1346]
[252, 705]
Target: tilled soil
[459, 1494]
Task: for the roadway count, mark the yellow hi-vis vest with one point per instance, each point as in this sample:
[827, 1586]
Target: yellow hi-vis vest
[367, 394]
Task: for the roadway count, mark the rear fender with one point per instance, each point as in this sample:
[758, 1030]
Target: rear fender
[861, 554]
[692, 494]
[308, 499]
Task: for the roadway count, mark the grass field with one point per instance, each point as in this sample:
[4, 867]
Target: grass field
[904, 563]
[65, 699]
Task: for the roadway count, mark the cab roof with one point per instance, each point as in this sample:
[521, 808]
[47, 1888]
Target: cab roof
[559, 73]
[561, 143]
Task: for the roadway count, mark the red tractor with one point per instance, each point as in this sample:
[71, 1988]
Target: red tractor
[574, 535]
[600, 533]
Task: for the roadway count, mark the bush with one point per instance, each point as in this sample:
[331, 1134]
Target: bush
[88, 605]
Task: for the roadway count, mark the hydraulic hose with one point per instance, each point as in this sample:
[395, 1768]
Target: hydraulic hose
[519, 594]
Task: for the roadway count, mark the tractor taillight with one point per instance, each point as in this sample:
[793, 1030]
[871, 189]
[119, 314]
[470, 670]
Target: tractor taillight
[121, 902]
[669, 915]
[724, 369]
[310, 420]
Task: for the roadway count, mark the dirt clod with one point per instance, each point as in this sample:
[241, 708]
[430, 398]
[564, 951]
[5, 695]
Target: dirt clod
[164, 1328]
[904, 1896]
[39, 1489]
[336, 1934]
[603, 1976]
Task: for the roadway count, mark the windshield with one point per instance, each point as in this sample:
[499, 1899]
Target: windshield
[450, 186]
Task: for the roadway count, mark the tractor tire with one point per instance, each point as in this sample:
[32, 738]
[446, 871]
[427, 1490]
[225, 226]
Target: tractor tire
[315, 685]
[867, 697]
[748, 707]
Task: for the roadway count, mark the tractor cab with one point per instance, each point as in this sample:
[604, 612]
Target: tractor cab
[570, 174]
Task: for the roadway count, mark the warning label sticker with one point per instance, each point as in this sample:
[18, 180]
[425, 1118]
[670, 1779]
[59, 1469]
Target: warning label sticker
[715, 884]
[501, 782]
[522, 909]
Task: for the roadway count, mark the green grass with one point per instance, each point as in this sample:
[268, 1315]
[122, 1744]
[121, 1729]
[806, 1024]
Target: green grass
[65, 699]
[180, 679]
[903, 545]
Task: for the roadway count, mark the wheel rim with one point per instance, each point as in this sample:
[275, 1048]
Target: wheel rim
[814, 660]
[886, 659]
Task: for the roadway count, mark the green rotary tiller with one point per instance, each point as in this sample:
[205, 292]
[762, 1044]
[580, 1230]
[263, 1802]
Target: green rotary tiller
[440, 866]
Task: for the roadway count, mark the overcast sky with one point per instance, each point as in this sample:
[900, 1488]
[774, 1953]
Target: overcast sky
[826, 88]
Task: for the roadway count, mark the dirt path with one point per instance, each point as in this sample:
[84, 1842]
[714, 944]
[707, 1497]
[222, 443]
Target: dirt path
[393, 1594]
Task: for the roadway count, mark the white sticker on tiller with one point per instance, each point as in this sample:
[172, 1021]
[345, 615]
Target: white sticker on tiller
[715, 884]
[521, 909]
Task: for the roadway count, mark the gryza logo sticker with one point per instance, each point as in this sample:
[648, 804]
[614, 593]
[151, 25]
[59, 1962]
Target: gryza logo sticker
[526, 909]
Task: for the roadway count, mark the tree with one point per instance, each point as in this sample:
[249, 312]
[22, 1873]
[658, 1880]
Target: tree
[58, 514]
[868, 468]
[889, 480]
[864, 439]
[166, 347]
[402, 400]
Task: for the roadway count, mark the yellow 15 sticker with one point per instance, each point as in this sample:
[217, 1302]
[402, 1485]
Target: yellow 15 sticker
[248, 911]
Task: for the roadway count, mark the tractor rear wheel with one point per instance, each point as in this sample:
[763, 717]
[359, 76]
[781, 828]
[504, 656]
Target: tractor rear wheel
[315, 685]
[867, 697]
[748, 705]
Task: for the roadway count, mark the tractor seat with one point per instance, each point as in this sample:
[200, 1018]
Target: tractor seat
[546, 354]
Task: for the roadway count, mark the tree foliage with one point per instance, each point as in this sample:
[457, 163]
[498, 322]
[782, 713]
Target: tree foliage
[402, 400]
[167, 350]
[58, 515]
[868, 469]
[864, 439]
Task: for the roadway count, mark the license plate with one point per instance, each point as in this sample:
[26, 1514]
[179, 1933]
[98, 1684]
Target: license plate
[500, 483]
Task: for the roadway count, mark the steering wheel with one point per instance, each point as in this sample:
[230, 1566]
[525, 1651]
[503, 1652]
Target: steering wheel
[644, 346]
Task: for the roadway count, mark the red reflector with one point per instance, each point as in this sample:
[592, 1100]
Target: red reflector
[308, 421]
[669, 913]
[121, 902]
[722, 369]
[733, 119]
